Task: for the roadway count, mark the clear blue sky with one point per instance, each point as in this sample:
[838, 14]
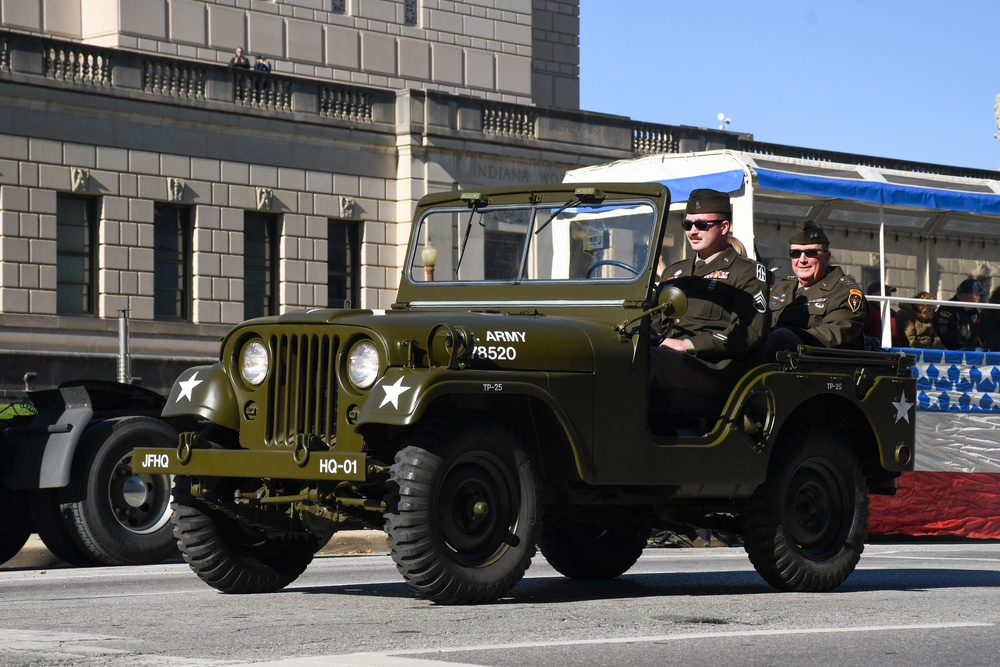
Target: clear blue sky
[914, 80]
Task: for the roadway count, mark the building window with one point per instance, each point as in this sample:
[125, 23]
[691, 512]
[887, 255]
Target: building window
[338, 6]
[260, 265]
[410, 12]
[343, 264]
[171, 262]
[76, 250]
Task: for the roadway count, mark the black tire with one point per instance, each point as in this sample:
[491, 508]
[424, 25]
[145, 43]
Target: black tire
[586, 551]
[15, 523]
[114, 515]
[805, 527]
[462, 510]
[52, 527]
[231, 557]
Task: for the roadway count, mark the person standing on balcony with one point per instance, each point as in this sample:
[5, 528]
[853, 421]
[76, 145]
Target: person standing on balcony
[261, 65]
[239, 60]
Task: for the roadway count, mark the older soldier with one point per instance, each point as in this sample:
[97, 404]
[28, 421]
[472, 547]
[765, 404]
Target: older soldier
[820, 305]
[713, 344]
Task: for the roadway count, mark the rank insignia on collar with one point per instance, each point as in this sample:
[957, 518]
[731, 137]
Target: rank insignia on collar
[854, 300]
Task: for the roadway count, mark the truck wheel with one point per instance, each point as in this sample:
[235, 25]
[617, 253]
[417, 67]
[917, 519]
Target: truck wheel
[804, 528]
[231, 557]
[15, 523]
[585, 551]
[117, 516]
[461, 510]
[53, 528]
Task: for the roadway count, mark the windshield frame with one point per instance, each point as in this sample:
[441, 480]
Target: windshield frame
[515, 290]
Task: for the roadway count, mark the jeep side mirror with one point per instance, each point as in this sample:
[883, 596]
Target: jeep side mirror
[670, 301]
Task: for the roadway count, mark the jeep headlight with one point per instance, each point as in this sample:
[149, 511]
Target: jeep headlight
[363, 364]
[254, 363]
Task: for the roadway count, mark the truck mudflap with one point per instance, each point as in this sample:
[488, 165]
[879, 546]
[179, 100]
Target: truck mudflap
[46, 458]
[298, 464]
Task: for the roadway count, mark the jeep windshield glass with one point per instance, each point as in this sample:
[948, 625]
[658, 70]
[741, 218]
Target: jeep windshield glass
[510, 243]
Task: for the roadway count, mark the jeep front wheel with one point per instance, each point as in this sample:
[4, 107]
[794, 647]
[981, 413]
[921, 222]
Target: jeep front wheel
[462, 510]
[231, 557]
[804, 528]
[585, 551]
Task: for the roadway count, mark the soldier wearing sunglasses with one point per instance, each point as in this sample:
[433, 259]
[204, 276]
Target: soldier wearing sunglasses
[820, 305]
[715, 341]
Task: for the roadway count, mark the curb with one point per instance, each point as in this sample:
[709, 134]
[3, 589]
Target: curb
[34, 555]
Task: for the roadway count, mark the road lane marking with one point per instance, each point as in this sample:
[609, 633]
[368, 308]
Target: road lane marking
[693, 635]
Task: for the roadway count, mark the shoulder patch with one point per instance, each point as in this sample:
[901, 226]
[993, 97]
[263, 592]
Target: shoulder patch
[761, 273]
[854, 300]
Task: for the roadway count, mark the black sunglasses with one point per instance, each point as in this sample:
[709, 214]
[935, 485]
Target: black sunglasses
[811, 253]
[700, 225]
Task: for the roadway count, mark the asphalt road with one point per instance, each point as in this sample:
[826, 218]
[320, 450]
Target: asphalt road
[907, 604]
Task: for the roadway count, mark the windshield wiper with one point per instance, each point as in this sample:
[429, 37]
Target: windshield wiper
[474, 200]
[580, 195]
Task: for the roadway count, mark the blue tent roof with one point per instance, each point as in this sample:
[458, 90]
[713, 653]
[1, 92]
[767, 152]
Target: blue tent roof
[874, 192]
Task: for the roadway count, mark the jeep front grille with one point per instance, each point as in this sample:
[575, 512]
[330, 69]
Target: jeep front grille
[303, 393]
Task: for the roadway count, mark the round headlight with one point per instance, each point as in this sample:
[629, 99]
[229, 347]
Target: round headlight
[362, 365]
[254, 363]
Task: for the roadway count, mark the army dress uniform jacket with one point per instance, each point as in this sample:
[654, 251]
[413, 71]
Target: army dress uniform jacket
[829, 313]
[726, 317]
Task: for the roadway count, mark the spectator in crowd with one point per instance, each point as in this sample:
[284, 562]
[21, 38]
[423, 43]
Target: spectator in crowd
[715, 341]
[261, 65]
[738, 245]
[873, 321]
[820, 305]
[958, 326]
[239, 60]
[989, 331]
[914, 323]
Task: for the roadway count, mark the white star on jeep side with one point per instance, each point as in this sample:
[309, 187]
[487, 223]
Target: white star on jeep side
[392, 393]
[902, 408]
[187, 386]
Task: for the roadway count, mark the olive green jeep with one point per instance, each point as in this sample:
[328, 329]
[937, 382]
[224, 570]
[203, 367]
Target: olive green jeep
[502, 403]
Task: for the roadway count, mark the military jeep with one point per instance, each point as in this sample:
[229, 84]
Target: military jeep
[503, 403]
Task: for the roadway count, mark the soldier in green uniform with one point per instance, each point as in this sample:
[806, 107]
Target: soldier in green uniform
[714, 342]
[820, 305]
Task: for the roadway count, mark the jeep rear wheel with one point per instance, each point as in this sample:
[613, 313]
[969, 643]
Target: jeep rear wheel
[585, 551]
[231, 557]
[462, 510]
[804, 528]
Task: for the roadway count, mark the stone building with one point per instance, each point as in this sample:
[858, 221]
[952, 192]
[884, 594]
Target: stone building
[140, 174]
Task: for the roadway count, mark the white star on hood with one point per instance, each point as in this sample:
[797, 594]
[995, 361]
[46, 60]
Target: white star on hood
[187, 386]
[392, 393]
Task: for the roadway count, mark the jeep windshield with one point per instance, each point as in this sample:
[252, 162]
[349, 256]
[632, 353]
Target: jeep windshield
[584, 237]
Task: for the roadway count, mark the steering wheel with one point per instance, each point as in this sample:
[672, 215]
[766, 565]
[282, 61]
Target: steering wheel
[612, 262]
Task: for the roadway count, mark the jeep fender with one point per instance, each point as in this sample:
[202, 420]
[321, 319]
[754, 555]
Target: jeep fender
[882, 415]
[204, 391]
[402, 399]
